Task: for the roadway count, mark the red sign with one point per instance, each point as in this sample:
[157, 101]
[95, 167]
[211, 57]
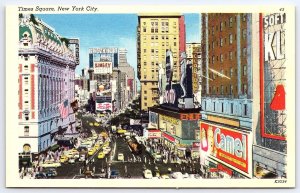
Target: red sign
[225, 169]
[225, 144]
[196, 144]
[168, 137]
[103, 106]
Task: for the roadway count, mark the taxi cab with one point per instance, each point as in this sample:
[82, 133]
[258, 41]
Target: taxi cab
[91, 124]
[92, 151]
[101, 155]
[63, 159]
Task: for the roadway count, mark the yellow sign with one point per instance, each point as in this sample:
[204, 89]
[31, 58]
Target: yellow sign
[170, 119]
[226, 121]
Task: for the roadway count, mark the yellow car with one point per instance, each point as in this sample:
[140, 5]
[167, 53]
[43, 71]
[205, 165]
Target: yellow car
[97, 146]
[101, 155]
[63, 159]
[96, 124]
[92, 151]
[106, 144]
[91, 124]
[74, 150]
[121, 131]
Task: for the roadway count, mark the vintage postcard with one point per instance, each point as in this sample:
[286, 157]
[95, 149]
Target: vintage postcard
[150, 96]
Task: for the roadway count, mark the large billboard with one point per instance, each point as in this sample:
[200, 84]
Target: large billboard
[104, 106]
[227, 145]
[102, 67]
[272, 75]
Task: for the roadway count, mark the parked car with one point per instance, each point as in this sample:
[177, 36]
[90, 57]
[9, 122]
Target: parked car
[63, 159]
[177, 175]
[120, 157]
[106, 150]
[92, 151]
[114, 174]
[49, 164]
[148, 174]
[101, 155]
[82, 158]
[71, 161]
[51, 172]
[164, 176]
[40, 175]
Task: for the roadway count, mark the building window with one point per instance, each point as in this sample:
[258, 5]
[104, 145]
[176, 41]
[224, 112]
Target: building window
[231, 108]
[221, 26]
[145, 92]
[214, 106]
[244, 70]
[145, 98]
[231, 72]
[245, 88]
[244, 51]
[230, 22]
[230, 39]
[221, 58]
[144, 29]
[213, 45]
[231, 90]
[222, 107]
[222, 89]
[221, 42]
[213, 59]
[26, 131]
[245, 109]
[230, 55]
[244, 34]
[145, 104]
[244, 17]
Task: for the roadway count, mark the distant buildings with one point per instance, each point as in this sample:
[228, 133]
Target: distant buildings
[112, 83]
[46, 85]
[155, 35]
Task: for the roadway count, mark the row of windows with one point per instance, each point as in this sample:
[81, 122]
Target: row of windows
[223, 24]
[231, 106]
[224, 56]
[228, 90]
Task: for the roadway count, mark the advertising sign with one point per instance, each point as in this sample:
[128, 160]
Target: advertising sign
[135, 122]
[153, 119]
[170, 138]
[154, 134]
[102, 50]
[102, 67]
[75, 42]
[272, 75]
[230, 146]
[103, 106]
[195, 81]
[169, 66]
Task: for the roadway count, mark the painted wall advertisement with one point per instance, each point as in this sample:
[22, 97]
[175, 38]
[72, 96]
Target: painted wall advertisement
[102, 67]
[103, 106]
[227, 145]
[272, 75]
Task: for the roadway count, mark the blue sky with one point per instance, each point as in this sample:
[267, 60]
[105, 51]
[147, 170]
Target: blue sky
[108, 30]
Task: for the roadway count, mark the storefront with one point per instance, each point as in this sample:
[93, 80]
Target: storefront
[226, 151]
[195, 152]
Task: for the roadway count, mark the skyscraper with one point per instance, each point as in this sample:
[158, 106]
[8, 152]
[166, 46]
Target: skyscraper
[155, 35]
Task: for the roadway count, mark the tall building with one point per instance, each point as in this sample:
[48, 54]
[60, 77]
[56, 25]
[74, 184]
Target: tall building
[155, 35]
[46, 85]
[227, 93]
[190, 49]
[125, 67]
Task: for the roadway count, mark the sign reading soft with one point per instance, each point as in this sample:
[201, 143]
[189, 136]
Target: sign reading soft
[102, 67]
[225, 144]
[103, 106]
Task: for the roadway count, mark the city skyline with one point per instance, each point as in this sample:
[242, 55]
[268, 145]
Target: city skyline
[121, 32]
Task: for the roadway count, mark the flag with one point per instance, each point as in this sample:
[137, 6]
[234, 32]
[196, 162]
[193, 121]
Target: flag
[64, 109]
